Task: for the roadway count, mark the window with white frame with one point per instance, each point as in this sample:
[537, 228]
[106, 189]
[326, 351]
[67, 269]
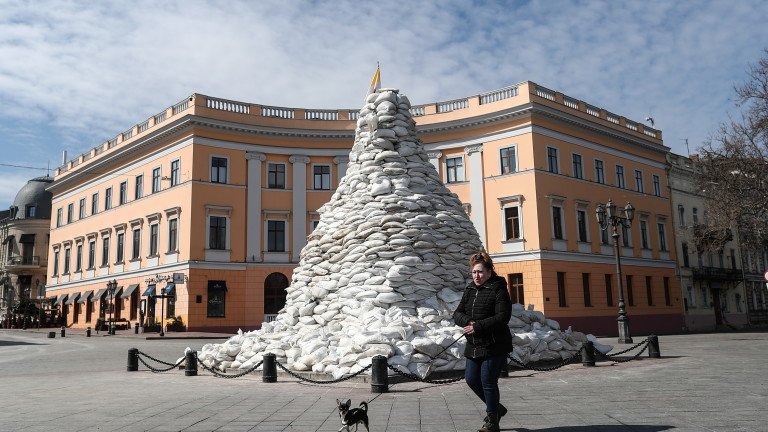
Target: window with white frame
[108, 198]
[59, 216]
[136, 244]
[79, 258]
[173, 235]
[67, 259]
[454, 169]
[139, 190]
[626, 238]
[644, 234]
[276, 175]
[219, 169]
[55, 262]
[512, 225]
[620, 177]
[578, 166]
[599, 171]
[70, 212]
[656, 185]
[662, 236]
[92, 254]
[175, 166]
[81, 209]
[217, 232]
[123, 195]
[321, 177]
[104, 251]
[508, 158]
[581, 224]
[604, 237]
[314, 225]
[553, 163]
[154, 234]
[557, 222]
[275, 236]
[639, 181]
[156, 178]
[120, 247]
[95, 203]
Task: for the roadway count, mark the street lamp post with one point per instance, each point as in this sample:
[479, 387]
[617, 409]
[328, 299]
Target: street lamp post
[111, 286]
[607, 216]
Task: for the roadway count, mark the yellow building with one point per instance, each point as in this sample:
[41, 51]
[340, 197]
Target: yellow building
[224, 193]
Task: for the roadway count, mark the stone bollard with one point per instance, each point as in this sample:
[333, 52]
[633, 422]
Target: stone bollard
[63, 331]
[133, 360]
[51, 335]
[269, 368]
[87, 332]
[653, 347]
[190, 368]
[588, 354]
[379, 375]
[136, 329]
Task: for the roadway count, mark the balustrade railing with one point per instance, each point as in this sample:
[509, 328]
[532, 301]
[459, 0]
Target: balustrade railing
[593, 111]
[227, 105]
[111, 143]
[142, 126]
[571, 103]
[612, 118]
[321, 115]
[498, 95]
[179, 107]
[287, 113]
[417, 111]
[448, 106]
[24, 260]
[159, 118]
[631, 126]
[545, 93]
[127, 134]
[649, 132]
[354, 115]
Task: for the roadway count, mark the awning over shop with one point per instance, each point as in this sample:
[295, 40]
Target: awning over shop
[72, 298]
[8, 238]
[27, 238]
[99, 294]
[217, 285]
[60, 300]
[170, 289]
[85, 296]
[150, 291]
[128, 291]
[118, 292]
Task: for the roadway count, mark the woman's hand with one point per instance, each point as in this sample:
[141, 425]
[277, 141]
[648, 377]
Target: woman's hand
[469, 329]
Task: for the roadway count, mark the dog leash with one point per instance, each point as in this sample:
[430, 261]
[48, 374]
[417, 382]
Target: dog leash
[444, 349]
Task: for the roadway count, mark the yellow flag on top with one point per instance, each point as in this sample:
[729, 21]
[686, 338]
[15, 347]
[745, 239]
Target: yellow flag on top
[376, 81]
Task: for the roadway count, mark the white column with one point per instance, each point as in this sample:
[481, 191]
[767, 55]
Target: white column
[253, 216]
[341, 166]
[477, 189]
[434, 159]
[299, 237]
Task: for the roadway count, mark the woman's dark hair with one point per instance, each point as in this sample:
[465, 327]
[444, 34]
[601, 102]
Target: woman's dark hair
[483, 258]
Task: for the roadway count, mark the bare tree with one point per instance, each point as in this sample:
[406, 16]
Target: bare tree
[732, 170]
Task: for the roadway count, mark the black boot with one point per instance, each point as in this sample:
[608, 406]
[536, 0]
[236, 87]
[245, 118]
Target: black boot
[491, 424]
[502, 412]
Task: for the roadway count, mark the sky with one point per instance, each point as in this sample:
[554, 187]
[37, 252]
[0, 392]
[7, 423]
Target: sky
[74, 74]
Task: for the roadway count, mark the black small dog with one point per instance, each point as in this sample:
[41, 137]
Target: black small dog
[352, 417]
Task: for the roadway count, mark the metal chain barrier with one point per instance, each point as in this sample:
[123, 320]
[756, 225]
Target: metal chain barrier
[415, 377]
[630, 348]
[227, 376]
[154, 359]
[155, 370]
[562, 363]
[338, 380]
[617, 360]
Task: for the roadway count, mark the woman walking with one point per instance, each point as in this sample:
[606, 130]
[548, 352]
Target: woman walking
[484, 312]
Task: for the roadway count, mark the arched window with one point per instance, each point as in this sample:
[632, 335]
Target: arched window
[274, 292]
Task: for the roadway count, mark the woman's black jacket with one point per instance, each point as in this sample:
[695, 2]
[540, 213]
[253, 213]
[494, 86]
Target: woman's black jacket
[489, 307]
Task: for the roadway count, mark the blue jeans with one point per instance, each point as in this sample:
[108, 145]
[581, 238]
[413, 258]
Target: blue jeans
[482, 375]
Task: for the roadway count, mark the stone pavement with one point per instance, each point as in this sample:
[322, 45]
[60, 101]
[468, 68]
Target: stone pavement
[704, 382]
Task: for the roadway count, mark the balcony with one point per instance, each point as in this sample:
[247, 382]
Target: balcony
[22, 262]
[716, 274]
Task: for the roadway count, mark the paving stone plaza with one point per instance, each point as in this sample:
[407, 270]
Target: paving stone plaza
[703, 382]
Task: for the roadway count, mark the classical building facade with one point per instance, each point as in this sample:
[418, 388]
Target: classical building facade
[712, 282]
[224, 193]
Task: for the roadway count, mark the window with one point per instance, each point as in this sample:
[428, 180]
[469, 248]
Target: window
[512, 222]
[686, 262]
[95, 203]
[630, 292]
[599, 171]
[516, 291]
[59, 216]
[733, 259]
[79, 258]
[81, 209]
[31, 211]
[578, 169]
[70, 212]
[604, 237]
[581, 222]
[662, 237]
[721, 259]
[275, 236]
[175, 172]
[608, 290]
[217, 296]
[123, 194]
[108, 199]
[552, 162]
[217, 232]
[625, 239]
[153, 239]
[218, 169]
[644, 234]
[638, 181]
[649, 290]
[92, 254]
[274, 293]
[620, 177]
[56, 263]
[136, 252]
[681, 215]
[120, 247]
[585, 288]
[314, 225]
[322, 177]
[455, 169]
[557, 222]
[139, 192]
[276, 176]
[156, 180]
[173, 235]
[105, 251]
[656, 185]
[667, 297]
[561, 289]
[695, 214]
[67, 259]
[508, 157]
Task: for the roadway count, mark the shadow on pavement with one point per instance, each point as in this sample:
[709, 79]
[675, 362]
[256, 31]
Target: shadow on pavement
[594, 428]
[12, 343]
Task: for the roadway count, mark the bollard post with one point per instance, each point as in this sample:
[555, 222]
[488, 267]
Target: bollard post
[87, 332]
[269, 368]
[190, 369]
[653, 347]
[136, 329]
[379, 375]
[51, 335]
[133, 359]
[588, 355]
[63, 331]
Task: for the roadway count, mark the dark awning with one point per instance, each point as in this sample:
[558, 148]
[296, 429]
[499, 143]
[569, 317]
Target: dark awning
[117, 292]
[72, 298]
[128, 291]
[85, 296]
[217, 285]
[27, 238]
[8, 238]
[60, 299]
[99, 294]
[150, 291]
[170, 289]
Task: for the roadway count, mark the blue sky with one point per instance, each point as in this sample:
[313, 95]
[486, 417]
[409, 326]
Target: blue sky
[74, 74]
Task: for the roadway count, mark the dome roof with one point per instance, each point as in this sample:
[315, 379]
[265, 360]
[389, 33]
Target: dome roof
[34, 194]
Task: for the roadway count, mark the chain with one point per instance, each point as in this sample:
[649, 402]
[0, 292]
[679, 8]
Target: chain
[629, 349]
[154, 359]
[415, 377]
[301, 378]
[562, 363]
[160, 370]
[221, 375]
[614, 359]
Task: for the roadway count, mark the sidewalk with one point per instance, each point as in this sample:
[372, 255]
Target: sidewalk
[126, 334]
